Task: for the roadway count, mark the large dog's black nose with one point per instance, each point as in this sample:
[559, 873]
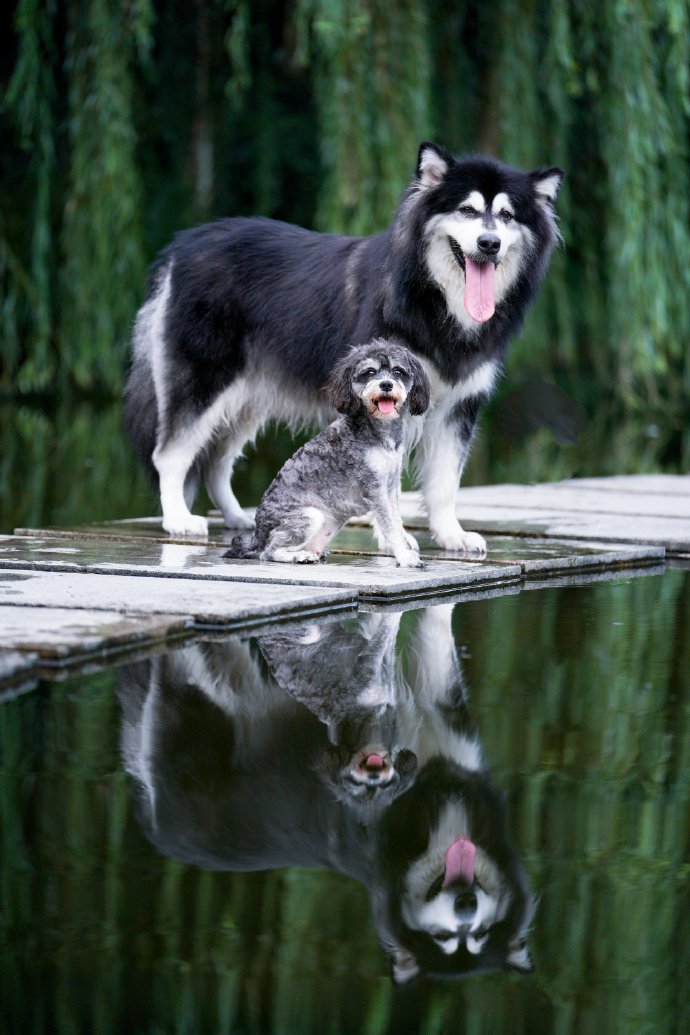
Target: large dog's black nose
[386, 386]
[490, 244]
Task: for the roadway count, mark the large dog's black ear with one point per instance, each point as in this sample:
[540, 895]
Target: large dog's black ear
[420, 393]
[339, 389]
[432, 164]
[547, 183]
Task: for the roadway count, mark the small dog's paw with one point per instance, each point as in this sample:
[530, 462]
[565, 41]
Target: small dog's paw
[408, 559]
[460, 541]
[189, 525]
[305, 557]
[411, 541]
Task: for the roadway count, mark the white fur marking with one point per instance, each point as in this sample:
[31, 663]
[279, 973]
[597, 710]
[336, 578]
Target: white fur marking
[475, 200]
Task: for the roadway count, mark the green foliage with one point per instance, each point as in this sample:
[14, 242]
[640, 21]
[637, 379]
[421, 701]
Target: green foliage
[143, 117]
[104, 266]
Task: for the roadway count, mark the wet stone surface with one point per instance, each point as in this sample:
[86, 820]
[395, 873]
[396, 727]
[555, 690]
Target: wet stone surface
[60, 633]
[203, 603]
[368, 576]
[641, 509]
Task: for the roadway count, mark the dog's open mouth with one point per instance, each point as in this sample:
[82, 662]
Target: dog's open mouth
[385, 404]
[480, 300]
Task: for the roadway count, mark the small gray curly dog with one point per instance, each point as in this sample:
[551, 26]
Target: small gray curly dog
[351, 468]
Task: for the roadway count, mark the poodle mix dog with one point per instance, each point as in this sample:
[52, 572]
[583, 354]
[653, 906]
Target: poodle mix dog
[351, 468]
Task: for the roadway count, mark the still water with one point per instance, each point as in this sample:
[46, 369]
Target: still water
[289, 833]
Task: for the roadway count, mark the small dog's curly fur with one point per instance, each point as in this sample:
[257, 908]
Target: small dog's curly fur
[352, 467]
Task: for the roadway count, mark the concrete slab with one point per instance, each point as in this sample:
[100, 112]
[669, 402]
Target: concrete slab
[533, 555]
[184, 602]
[656, 484]
[368, 577]
[58, 634]
[673, 533]
[575, 498]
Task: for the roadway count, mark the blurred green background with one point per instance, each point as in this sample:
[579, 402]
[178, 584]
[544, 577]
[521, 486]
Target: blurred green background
[123, 122]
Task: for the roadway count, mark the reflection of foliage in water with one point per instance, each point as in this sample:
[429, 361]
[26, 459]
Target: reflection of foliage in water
[582, 701]
[71, 463]
[146, 117]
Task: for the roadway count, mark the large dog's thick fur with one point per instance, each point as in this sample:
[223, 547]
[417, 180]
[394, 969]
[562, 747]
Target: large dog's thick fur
[352, 467]
[246, 319]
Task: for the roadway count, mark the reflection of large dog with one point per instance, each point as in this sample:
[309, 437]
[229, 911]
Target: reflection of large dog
[231, 773]
[246, 319]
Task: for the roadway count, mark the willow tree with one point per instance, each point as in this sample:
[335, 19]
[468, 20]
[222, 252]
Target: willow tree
[139, 118]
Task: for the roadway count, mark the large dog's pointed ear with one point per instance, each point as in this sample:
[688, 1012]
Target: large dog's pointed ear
[339, 389]
[432, 164]
[546, 184]
[519, 957]
[404, 967]
[420, 393]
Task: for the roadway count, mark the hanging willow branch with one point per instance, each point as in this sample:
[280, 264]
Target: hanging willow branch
[104, 263]
[30, 98]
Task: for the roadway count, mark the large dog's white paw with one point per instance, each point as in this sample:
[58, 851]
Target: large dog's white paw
[188, 525]
[411, 541]
[458, 540]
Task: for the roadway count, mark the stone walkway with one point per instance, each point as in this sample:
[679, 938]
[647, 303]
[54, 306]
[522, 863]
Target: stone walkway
[82, 596]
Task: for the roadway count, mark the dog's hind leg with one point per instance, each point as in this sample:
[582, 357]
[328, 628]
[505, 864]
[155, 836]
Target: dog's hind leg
[220, 465]
[298, 539]
[173, 463]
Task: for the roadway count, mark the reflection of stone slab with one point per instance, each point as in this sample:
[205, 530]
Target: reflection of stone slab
[16, 667]
[533, 555]
[184, 601]
[59, 633]
[142, 529]
[489, 516]
[368, 577]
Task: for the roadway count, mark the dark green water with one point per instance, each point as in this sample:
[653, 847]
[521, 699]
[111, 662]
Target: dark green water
[178, 854]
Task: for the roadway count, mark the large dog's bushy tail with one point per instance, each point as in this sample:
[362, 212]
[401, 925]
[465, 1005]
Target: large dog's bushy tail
[243, 546]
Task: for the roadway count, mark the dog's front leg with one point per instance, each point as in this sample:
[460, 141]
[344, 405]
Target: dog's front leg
[388, 525]
[441, 456]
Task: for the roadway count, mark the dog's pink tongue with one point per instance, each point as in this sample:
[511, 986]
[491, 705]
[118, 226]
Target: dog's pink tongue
[374, 762]
[479, 290]
[386, 405]
[460, 862]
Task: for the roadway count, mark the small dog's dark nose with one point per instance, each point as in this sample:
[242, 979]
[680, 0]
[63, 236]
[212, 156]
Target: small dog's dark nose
[386, 386]
[490, 244]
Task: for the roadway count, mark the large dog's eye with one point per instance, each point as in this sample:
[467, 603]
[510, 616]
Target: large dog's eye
[506, 215]
[399, 372]
[369, 372]
[468, 210]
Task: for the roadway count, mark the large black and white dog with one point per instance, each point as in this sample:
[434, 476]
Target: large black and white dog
[246, 318]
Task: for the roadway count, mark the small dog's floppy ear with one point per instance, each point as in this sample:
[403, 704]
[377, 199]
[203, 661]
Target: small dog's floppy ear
[339, 389]
[420, 393]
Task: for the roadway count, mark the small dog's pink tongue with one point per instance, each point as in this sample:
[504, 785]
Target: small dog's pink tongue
[479, 290]
[386, 405]
[460, 862]
[374, 762]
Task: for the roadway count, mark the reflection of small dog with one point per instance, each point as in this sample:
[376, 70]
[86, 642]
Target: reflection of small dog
[344, 672]
[350, 468]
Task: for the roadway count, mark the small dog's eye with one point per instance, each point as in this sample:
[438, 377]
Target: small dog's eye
[506, 216]
[468, 210]
[369, 372]
[399, 372]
